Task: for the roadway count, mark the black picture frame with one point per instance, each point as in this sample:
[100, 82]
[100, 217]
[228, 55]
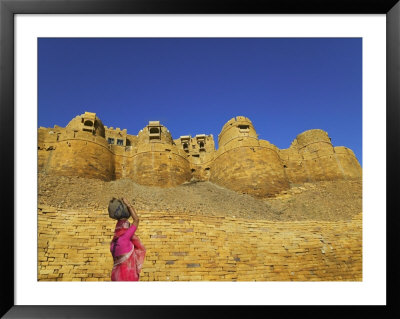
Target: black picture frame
[8, 8]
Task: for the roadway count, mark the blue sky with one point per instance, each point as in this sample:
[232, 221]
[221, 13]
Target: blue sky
[195, 85]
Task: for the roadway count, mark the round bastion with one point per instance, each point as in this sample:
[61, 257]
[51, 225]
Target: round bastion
[235, 129]
[319, 158]
[312, 140]
[244, 164]
[158, 161]
[82, 151]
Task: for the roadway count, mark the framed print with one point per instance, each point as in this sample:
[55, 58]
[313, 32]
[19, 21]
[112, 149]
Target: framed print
[229, 214]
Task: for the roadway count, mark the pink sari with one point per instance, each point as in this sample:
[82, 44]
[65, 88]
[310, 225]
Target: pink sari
[127, 267]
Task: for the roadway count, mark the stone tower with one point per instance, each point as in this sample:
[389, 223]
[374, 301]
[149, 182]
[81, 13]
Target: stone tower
[158, 161]
[246, 164]
[311, 157]
[79, 150]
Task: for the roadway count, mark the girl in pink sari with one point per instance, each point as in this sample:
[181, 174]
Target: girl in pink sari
[127, 250]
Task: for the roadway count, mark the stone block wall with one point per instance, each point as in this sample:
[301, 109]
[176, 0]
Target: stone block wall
[348, 162]
[74, 246]
[253, 170]
[311, 158]
[245, 164]
[159, 168]
[76, 154]
[295, 167]
[200, 152]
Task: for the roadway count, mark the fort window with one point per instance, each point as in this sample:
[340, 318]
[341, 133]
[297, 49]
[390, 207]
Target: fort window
[196, 155]
[120, 142]
[110, 140]
[88, 123]
[128, 142]
[185, 140]
[201, 145]
[155, 133]
[244, 128]
[201, 139]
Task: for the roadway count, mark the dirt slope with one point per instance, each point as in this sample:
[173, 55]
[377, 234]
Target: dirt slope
[336, 200]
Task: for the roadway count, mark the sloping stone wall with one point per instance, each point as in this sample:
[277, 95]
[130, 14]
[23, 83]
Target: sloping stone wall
[74, 246]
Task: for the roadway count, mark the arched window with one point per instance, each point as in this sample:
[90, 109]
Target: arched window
[154, 130]
[88, 123]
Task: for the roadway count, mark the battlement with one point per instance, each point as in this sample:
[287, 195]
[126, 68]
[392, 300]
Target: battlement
[116, 136]
[243, 162]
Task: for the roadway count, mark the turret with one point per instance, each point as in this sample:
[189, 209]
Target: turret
[236, 128]
[87, 122]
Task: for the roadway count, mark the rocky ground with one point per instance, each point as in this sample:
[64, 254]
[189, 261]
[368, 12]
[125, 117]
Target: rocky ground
[334, 200]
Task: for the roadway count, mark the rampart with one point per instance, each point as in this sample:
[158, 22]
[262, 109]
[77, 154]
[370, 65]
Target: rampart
[243, 162]
[74, 246]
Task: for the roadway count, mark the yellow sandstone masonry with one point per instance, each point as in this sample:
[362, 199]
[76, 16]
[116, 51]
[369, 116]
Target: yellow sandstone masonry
[74, 246]
[243, 162]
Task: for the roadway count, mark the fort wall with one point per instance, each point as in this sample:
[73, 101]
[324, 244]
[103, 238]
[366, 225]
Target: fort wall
[243, 162]
[348, 162]
[317, 151]
[158, 161]
[199, 151]
[159, 168]
[74, 246]
[312, 157]
[75, 153]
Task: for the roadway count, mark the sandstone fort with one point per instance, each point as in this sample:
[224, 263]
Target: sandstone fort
[246, 211]
[242, 162]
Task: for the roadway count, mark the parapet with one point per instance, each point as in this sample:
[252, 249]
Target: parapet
[116, 136]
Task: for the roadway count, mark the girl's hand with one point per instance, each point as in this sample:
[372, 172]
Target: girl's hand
[125, 201]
